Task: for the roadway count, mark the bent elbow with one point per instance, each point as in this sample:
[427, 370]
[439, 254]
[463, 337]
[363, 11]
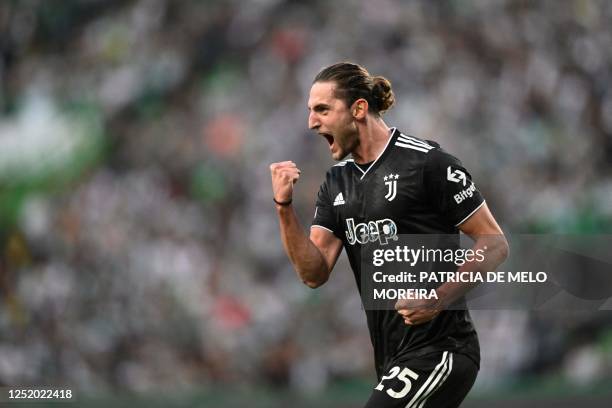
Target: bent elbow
[503, 248]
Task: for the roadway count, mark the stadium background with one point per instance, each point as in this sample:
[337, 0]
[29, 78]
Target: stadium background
[140, 258]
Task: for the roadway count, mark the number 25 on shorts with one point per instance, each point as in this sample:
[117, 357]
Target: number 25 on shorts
[401, 375]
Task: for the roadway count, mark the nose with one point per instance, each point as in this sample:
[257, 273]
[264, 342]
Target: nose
[313, 121]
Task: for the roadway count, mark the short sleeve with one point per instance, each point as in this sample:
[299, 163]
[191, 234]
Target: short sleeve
[450, 188]
[324, 216]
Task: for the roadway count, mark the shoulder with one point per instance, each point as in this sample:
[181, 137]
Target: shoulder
[429, 150]
[439, 157]
[342, 163]
[425, 154]
[416, 152]
[339, 170]
[408, 144]
[337, 175]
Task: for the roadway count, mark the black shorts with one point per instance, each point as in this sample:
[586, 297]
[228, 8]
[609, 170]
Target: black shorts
[439, 380]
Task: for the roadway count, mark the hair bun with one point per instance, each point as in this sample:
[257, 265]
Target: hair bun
[382, 94]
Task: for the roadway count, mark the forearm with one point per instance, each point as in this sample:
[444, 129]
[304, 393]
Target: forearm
[495, 251]
[306, 258]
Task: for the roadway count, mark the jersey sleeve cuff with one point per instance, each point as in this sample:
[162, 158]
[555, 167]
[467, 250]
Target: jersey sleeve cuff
[470, 214]
[320, 226]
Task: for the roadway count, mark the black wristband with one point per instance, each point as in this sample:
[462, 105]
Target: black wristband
[282, 203]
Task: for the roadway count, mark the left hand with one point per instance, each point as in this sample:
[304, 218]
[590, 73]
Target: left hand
[418, 311]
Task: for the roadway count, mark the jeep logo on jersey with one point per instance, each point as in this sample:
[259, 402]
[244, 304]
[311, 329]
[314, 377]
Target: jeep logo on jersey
[379, 230]
[455, 176]
[391, 183]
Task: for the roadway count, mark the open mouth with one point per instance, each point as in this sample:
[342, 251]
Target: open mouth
[328, 137]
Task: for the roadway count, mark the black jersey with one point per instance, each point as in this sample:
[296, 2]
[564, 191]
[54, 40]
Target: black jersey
[413, 187]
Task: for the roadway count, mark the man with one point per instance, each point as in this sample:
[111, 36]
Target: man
[426, 353]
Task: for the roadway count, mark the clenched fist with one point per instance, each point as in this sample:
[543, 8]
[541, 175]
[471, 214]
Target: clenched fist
[284, 176]
[418, 311]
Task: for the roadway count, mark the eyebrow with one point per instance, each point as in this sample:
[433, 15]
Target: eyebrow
[319, 106]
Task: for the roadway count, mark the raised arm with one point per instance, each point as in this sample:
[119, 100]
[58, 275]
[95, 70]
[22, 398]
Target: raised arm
[314, 256]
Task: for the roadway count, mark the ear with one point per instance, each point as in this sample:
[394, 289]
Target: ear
[359, 109]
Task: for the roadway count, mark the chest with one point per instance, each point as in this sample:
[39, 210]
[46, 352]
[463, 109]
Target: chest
[379, 205]
[386, 192]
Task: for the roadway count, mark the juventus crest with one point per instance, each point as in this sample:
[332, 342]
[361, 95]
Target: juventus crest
[391, 183]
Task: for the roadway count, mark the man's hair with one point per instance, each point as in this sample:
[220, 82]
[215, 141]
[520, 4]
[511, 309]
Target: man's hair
[354, 81]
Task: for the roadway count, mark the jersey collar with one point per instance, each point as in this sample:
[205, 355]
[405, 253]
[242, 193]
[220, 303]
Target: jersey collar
[393, 132]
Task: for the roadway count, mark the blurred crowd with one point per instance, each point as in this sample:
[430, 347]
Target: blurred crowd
[140, 248]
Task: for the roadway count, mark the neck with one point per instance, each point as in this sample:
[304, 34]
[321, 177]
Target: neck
[373, 137]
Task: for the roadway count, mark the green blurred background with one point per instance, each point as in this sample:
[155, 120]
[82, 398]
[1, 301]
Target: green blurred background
[140, 262]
